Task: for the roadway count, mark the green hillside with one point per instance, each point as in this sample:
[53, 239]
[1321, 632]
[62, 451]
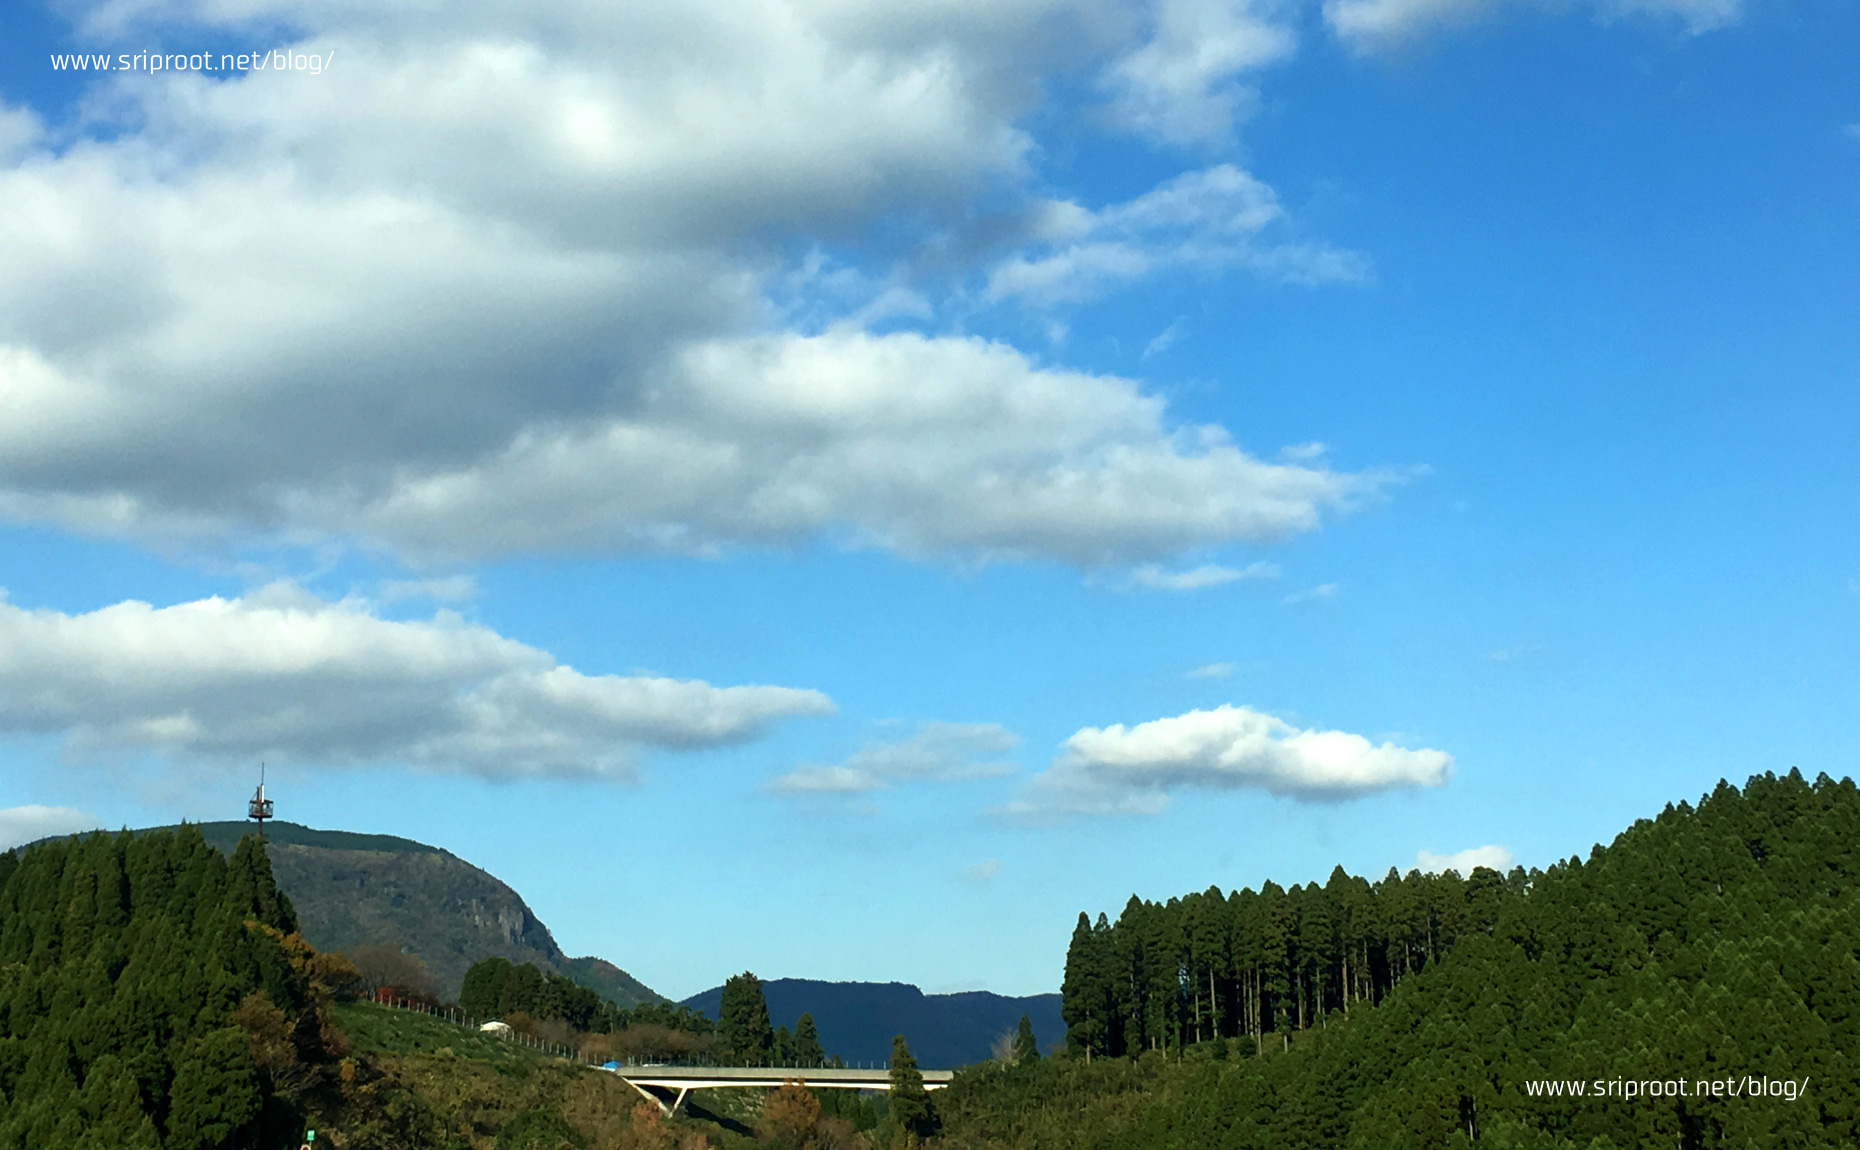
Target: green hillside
[155, 996]
[152, 997]
[1714, 944]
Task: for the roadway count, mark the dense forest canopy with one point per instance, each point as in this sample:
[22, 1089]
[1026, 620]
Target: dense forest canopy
[154, 995]
[1715, 943]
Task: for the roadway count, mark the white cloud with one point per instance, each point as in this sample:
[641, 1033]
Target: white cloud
[1464, 862]
[281, 675]
[939, 752]
[1163, 340]
[1183, 85]
[1381, 25]
[1312, 594]
[21, 825]
[1207, 220]
[1119, 769]
[507, 282]
[1153, 578]
[20, 129]
[982, 871]
[826, 780]
[773, 439]
[1213, 671]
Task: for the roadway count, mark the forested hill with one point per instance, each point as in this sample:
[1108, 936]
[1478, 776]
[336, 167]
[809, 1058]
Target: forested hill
[152, 995]
[857, 1020]
[1715, 942]
[355, 890]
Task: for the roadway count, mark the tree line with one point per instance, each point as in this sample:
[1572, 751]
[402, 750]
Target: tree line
[1267, 962]
[1713, 942]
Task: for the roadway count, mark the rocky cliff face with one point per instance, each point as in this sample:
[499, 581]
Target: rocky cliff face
[352, 890]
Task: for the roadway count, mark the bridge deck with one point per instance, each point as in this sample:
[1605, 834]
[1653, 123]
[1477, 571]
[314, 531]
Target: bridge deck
[683, 1078]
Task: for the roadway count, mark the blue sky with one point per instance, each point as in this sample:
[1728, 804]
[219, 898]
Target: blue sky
[837, 489]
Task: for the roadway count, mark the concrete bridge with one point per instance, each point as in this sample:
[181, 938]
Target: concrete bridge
[670, 1085]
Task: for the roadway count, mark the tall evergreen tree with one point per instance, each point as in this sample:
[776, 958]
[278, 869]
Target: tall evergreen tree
[910, 1111]
[807, 1048]
[1082, 994]
[1026, 1047]
[743, 1020]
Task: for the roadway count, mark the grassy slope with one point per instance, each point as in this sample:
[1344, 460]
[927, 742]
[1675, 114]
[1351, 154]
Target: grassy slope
[429, 1082]
[384, 1030]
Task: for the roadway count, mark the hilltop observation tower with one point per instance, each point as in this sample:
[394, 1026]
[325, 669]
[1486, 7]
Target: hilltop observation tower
[259, 809]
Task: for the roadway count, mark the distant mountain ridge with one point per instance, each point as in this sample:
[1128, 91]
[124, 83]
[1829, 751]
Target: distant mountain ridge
[857, 1020]
[357, 889]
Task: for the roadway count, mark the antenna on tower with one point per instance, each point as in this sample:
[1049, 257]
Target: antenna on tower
[259, 809]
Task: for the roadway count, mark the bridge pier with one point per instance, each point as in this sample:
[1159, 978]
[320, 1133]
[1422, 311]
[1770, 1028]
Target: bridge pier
[672, 1108]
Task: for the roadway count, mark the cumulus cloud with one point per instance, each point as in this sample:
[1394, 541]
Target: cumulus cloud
[1206, 220]
[1184, 84]
[505, 281]
[21, 825]
[1464, 862]
[771, 439]
[1153, 578]
[284, 676]
[1212, 671]
[1380, 25]
[939, 752]
[1135, 769]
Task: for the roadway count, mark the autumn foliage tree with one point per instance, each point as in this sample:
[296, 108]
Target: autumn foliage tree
[391, 969]
[789, 1116]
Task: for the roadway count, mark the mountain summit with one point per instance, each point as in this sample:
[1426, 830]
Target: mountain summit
[355, 889]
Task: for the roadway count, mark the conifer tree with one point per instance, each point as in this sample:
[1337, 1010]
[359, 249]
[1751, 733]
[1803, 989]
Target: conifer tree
[743, 1020]
[215, 1091]
[1026, 1047]
[910, 1112]
[1081, 995]
[252, 892]
[807, 1048]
